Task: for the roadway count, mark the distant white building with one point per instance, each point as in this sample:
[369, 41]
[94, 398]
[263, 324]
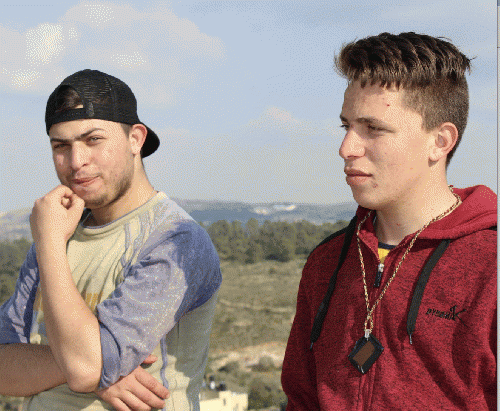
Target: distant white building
[275, 208]
[223, 401]
[284, 207]
[261, 210]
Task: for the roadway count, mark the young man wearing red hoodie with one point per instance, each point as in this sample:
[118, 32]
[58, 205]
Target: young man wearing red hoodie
[398, 310]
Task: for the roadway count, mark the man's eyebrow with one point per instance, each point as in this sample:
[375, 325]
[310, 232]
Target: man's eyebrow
[367, 120]
[371, 120]
[80, 137]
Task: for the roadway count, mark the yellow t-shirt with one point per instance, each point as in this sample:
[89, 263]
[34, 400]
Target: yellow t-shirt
[383, 250]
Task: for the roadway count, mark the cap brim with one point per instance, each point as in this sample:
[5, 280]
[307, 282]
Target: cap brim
[151, 144]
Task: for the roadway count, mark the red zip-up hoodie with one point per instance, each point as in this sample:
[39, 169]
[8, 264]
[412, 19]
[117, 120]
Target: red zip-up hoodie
[451, 362]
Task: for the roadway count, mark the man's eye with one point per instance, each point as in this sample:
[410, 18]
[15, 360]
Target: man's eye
[344, 126]
[374, 128]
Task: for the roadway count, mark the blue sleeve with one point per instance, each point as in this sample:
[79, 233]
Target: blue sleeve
[17, 312]
[176, 272]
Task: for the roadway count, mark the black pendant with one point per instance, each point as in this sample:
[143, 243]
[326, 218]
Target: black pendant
[365, 353]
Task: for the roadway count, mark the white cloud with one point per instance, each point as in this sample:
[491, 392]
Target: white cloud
[93, 14]
[169, 52]
[24, 79]
[30, 61]
[43, 43]
[130, 61]
[159, 24]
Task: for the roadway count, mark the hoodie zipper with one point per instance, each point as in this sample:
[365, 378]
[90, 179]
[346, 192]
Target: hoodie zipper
[378, 277]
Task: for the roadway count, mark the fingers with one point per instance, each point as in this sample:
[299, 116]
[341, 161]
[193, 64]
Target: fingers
[130, 402]
[76, 203]
[152, 386]
[65, 195]
[61, 191]
[143, 400]
[60, 194]
[117, 404]
[71, 201]
[126, 403]
[65, 201]
[150, 359]
[139, 391]
[55, 216]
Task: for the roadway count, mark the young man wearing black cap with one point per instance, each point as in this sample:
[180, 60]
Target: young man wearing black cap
[398, 311]
[118, 271]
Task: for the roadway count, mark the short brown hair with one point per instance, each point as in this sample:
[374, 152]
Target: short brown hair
[430, 70]
[68, 99]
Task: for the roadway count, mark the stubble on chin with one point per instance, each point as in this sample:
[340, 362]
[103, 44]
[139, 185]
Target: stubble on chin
[106, 199]
[95, 202]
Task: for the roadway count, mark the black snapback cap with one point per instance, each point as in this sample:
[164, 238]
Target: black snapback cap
[103, 97]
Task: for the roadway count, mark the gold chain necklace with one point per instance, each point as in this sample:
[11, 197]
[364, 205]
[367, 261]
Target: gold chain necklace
[369, 318]
[367, 350]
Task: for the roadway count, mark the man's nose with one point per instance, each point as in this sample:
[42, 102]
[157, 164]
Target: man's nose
[80, 156]
[352, 146]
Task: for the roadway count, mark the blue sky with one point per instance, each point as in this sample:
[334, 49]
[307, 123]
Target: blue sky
[242, 93]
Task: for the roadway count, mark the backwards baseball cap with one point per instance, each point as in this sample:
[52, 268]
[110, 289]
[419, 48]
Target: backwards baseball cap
[103, 97]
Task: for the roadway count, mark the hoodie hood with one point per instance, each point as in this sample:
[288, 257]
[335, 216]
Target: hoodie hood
[477, 212]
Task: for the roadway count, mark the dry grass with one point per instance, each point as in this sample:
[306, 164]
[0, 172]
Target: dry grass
[256, 304]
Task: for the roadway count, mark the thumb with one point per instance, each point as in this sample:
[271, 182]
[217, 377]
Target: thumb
[77, 205]
[150, 359]
[66, 202]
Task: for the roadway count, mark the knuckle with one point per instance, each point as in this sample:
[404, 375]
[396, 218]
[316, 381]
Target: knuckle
[152, 400]
[151, 384]
[140, 406]
[148, 397]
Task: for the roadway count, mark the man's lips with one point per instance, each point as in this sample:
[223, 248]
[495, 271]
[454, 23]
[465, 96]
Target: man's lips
[83, 181]
[355, 177]
[351, 172]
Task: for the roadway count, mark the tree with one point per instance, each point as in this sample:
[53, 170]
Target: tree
[254, 252]
[219, 234]
[238, 243]
[278, 240]
[286, 250]
[252, 228]
[12, 255]
[281, 241]
[307, 237]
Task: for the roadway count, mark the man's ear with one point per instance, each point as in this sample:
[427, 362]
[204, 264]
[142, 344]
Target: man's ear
[137, 136]
[444, 139]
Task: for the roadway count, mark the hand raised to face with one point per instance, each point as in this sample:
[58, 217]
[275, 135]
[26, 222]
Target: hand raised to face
[55, 216]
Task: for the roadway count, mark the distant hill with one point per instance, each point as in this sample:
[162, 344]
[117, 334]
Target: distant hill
[15, 224]
[209, 212]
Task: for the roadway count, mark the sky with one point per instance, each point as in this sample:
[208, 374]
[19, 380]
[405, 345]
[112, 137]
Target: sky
[242, 94]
